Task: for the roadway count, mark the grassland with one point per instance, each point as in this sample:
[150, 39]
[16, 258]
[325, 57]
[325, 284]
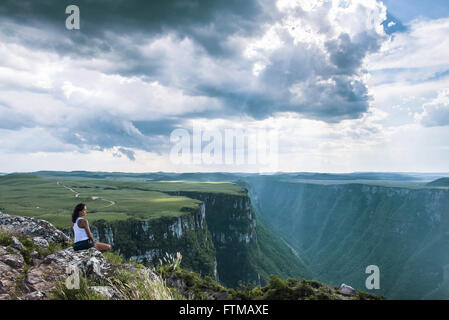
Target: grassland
[160, 186]
[53, 199]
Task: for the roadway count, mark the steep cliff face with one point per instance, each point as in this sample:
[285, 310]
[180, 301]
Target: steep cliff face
[232, 224]
[150, 240]
[246, 249]
[342, 229]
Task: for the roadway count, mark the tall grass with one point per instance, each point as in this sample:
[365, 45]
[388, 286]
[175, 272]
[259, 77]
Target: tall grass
[145, 284]
[5, 238]
[127, 284]
[61, 292]
[171, 261]
[141, 285]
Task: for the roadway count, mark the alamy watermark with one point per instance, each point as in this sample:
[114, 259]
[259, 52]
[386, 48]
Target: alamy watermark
[73, 280]
[73, 21]
[256, 149]
[373, 281]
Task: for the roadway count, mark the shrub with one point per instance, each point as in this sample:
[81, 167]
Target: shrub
[61, 292]
[113, 258]
[368, 296]
[140, 285]
[5, 238]
[324, 296]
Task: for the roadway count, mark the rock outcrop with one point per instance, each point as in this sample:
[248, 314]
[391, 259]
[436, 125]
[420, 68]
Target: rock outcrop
[346, 290]
[39, 280]
[39, 230]
[56, 267]
[11, 267]
[30, 271]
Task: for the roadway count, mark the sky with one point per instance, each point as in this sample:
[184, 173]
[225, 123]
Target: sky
[327, 85]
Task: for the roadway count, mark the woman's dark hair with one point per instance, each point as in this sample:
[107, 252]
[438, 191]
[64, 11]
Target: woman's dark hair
[76, 211]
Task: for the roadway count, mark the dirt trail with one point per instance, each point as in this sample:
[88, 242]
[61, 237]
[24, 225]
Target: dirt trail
[76, 193]
[111, 203]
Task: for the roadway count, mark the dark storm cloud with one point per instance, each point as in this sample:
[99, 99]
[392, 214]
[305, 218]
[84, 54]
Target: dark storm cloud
[208, 22]
[326, 81]
[347, 54]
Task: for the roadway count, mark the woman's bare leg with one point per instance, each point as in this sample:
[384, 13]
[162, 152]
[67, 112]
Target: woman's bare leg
[103, 247]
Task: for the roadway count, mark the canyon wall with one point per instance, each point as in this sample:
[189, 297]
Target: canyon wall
[341, 229]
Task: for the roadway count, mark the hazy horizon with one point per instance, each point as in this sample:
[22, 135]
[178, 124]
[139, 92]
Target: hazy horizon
[237, 172]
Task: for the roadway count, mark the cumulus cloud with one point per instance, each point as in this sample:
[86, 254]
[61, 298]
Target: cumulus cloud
[436, 112]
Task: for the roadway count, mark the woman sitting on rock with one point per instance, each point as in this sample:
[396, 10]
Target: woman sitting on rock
[83, 237]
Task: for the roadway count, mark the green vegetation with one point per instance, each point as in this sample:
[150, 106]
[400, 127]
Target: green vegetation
[113, 258]
[122, 207]
[203, 288]
[168, 281]
[133, 238]
[297, 289]
[126, 283]
[272, 256]
[209, 187]
[443, 182]
[85, 292]
[29, 246]
[246, 250]
[194, 286]
[119, 207]
[137, 215]
[109, 200]
[340, 229]
[141, 285]
[5, 238]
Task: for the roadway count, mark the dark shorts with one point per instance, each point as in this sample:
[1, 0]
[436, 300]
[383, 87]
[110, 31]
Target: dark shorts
[83, 245]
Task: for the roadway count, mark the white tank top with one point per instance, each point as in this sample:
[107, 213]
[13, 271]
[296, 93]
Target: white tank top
[80, 233]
